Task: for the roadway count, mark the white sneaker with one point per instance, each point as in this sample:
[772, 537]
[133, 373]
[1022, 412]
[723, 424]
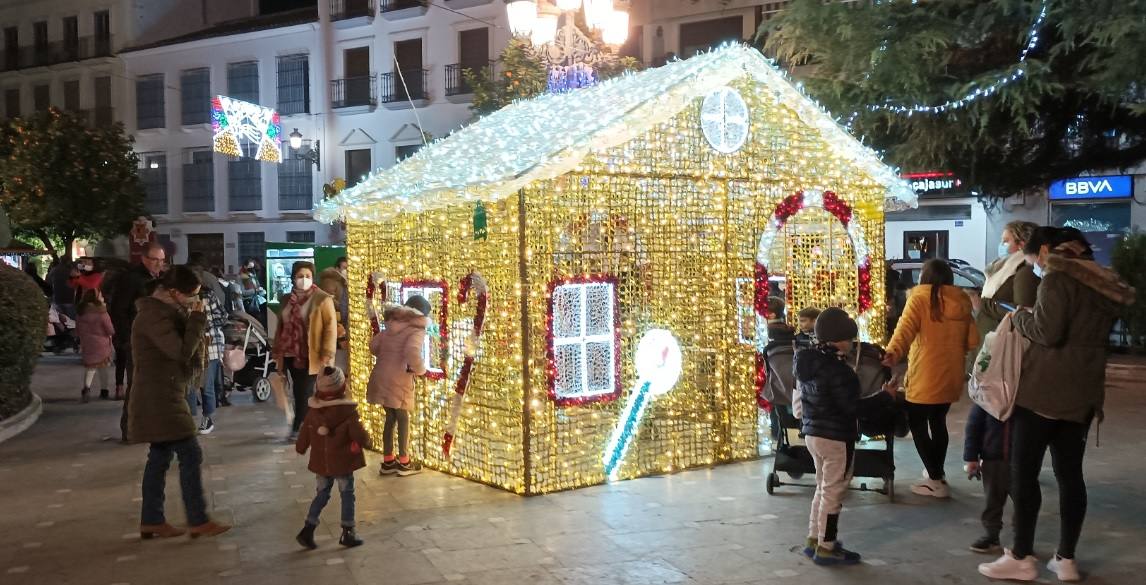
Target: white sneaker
[1008, 567]
[932, 488]
[1066, 569]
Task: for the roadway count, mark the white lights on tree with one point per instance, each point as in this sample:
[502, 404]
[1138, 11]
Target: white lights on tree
[522, 16]
[544, 29]
[616, 29]
[724, 120]
[659, 363]
[567, 5]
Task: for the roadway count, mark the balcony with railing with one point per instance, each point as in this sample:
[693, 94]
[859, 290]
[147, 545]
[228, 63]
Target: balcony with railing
[404, 87]
[348, 13]
[66, 51]
[456, 82]
[99, 116]
[354, 92]
[398, 9]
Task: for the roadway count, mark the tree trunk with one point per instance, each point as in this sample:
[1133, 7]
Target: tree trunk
[47, 244]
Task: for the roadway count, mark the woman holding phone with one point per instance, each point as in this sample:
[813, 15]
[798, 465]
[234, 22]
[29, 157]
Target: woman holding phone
[1011, 281]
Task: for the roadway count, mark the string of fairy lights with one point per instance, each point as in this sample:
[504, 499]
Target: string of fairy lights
[1017, 72]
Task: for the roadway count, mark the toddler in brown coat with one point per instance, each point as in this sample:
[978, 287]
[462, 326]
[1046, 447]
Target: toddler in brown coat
[336, 439]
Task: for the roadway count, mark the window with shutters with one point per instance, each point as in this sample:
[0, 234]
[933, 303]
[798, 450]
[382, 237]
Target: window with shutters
[296, 185]
[245, 184]
[252, 245]
[195, 93]
[300, 237]
[243, 81]
[153, 176]
[293, 84]
[149, 112]
[198, 181]
[41, 97]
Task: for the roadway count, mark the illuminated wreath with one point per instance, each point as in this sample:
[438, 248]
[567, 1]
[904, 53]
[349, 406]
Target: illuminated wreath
[789, 207]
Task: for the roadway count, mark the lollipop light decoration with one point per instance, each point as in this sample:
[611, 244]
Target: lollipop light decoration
[658, 362]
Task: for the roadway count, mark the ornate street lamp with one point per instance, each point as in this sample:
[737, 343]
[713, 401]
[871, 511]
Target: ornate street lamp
[311, 154]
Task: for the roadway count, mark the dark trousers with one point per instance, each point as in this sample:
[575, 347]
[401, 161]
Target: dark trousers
[302, 386]
[122, 362]
[996, 486]
[928, 423]
[1031, 435]
[190, 481]
[396, 417]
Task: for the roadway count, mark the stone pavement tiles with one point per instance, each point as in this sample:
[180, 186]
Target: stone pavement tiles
[69, 505]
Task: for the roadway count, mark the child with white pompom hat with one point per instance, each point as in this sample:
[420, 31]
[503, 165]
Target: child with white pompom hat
[336, 439]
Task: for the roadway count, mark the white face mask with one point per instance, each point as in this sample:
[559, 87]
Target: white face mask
[303, 283]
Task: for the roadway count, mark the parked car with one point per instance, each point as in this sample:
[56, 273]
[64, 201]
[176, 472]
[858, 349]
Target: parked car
[902, 275]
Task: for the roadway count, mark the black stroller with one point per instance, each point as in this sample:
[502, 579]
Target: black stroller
[881, 420]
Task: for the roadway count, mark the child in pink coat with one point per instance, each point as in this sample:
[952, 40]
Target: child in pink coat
[93, 327]
[398, 353]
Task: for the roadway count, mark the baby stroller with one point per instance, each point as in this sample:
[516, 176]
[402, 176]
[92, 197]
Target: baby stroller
[880, 422]
[248, 356]
[61, 333]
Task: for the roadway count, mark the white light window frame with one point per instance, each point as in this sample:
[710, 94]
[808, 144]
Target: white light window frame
[434, 367]
[582, 340]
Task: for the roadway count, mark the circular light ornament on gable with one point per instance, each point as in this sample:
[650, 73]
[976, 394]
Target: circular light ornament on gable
[724, 120]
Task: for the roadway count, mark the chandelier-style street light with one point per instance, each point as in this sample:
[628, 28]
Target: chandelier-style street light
[538, 20]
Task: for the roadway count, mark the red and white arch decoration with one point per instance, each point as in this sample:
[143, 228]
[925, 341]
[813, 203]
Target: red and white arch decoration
[785, 210]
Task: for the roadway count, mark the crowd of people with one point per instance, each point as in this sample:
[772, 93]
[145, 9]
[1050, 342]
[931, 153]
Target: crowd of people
[162, 328]
[1048, 287]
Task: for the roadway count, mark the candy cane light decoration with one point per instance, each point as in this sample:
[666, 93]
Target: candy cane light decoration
[472, 281]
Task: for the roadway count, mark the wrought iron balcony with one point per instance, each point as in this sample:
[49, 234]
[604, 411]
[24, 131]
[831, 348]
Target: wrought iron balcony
[456, 82]
[354, 91]
[415, 87]
[66, 51]
[347, 9]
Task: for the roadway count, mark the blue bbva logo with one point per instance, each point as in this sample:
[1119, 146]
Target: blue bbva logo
[1106, 187]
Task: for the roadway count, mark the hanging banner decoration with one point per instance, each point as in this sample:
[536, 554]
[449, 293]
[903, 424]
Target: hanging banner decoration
[243, 129]
[475, 283]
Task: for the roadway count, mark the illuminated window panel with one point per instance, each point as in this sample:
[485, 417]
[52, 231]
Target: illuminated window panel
[583, 342]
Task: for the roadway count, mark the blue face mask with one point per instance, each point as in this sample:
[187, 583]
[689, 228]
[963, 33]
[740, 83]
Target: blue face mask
[1003, 253]
[1038, 271]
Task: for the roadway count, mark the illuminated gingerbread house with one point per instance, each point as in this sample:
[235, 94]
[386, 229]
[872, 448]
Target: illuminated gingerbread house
[598, 260]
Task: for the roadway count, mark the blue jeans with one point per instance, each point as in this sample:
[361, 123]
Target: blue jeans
[345, 492]
[190, 480]
[210, 380]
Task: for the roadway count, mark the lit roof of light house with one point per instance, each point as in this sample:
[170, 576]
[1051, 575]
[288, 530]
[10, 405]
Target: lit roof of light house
[549, 135]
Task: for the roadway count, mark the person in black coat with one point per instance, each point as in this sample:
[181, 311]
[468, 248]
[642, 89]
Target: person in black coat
[985, 456]
[137, 282]
[827, 402]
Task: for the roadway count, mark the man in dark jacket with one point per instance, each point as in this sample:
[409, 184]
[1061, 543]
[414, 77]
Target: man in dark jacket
[985, 455]
[827, 401]
[137, 282]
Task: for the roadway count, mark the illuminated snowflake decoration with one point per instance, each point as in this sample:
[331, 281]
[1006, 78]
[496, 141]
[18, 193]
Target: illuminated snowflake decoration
[724, 120]
[242, 127]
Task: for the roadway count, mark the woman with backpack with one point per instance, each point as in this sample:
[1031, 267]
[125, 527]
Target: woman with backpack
[1061, 391]
[935, 333]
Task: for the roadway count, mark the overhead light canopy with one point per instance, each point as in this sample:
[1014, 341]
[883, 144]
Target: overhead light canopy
[522, 16]
[616, 29]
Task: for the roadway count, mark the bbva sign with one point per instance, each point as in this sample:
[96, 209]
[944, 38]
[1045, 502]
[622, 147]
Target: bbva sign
[1105, 187]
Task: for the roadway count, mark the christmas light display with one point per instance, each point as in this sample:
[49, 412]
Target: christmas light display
[241, 127]
[475, 282]
[724, 119]
[595, 237]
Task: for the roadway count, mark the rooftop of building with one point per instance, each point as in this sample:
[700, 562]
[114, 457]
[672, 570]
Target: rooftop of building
[238, 26]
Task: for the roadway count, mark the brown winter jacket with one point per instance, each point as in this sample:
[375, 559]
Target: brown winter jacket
[328, 430]
[1018, 291]
[321, 329]
[166, 346]
[398, 349]
[1064, 368]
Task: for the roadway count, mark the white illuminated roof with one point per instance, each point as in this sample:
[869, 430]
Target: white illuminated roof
[549, 135]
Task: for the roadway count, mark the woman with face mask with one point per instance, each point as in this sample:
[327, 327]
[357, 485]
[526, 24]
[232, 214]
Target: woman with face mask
[1061, 391]
[167, 349]
[306, 339]
[1011, 280]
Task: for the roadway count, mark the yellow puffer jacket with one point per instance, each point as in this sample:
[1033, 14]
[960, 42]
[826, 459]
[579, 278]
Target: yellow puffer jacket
[936, 368]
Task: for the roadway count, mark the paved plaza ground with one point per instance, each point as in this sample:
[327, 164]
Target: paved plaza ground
[69, 512]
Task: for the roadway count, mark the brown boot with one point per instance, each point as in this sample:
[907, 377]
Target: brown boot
[165, 530]
[211, 528]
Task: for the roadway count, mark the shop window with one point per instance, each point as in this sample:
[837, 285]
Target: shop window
[583, 341]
